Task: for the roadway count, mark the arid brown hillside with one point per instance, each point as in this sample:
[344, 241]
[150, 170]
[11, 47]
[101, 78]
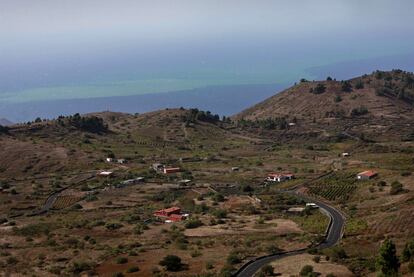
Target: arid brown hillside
[376, 104]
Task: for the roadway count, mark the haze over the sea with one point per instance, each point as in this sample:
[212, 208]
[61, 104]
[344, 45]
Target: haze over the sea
[76, 49]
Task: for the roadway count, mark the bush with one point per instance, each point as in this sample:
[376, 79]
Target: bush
[267, 270]
[359, 84]
[113, 226]
[171, 263]
[133, 269]
[79, 267]
[338, 99]
[306, 271]
[121, 260]
[320, 88]
[346, 86]
[118, 274]
[193, 223]
[316, 259]
[359, 111]
[396, 188]
[233, 258]
[219, 213]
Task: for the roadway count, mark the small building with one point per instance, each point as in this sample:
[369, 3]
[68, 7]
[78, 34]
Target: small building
[172, 214]
[185, 182]
[346, 154]
[121, 161]
[235, 168]
[105, 173]
[168, 212]
[279, 177]
[366, 175]
[158, 167]
[109, 160]
[131, 182]
[171, 170]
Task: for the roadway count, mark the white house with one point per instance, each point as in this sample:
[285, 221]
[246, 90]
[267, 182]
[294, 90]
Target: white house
[279, 177]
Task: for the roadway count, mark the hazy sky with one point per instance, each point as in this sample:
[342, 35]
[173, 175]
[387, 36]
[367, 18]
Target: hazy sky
[48, 43]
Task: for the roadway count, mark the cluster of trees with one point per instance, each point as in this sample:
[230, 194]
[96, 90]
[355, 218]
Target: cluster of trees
[268, 123]
[320, 88]
[195, 115]
[91, 124]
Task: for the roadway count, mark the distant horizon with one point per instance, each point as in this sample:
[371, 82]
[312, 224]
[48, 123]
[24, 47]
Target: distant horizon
[84, 49]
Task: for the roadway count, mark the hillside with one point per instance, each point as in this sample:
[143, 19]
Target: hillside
[76, 142]
[372, 105]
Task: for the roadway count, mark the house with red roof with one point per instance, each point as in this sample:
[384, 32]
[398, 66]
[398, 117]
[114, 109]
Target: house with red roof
[172, 214]
[366, 175]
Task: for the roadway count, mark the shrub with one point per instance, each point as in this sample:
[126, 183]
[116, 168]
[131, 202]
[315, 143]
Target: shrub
[113, 226]
[267, 270]
[121, 260]
[193, 223]
[79, 267]
[320, 88]
[346, 86]
[359, 111]
[118, 274]
[316, 259]
[338, 99]
[306, 271]
[218, 197]
[359, 84]
[133, 269]
[219, 213]
[171, 263]
[233, 258]
[396, 188]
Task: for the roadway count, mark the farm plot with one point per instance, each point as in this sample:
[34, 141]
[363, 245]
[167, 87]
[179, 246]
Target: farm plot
[335, 187]
[65, 201]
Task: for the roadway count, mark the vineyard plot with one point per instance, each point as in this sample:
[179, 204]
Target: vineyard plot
[65, 201]
[334, 187]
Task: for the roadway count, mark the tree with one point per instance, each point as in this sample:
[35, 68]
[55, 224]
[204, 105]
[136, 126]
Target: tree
[329, 78]
[172, 263]
[387, 260]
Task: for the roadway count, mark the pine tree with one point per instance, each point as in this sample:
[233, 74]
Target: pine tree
[387, 260]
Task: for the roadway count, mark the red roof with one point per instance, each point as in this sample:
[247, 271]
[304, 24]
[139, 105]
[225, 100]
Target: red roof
[368, 173]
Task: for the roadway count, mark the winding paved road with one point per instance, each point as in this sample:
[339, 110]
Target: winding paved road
[334, 235]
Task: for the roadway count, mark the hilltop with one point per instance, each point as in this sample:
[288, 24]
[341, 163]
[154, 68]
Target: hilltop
[371, 105]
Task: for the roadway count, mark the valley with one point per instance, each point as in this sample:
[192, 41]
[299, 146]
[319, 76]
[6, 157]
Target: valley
[117, 194]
